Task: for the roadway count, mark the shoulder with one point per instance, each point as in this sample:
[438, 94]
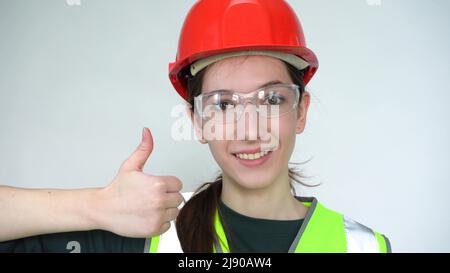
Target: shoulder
[361, 238]
[357, 237]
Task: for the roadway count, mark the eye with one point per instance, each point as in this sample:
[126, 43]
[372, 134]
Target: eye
[274, 98]
[224, 105]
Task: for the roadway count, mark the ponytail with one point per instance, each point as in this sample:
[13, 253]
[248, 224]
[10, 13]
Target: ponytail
[195, 222]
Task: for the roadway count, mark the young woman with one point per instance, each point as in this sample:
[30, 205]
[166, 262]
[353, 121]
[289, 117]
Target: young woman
[236, 60]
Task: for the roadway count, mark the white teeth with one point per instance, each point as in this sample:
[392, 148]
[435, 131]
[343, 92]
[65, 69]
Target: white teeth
[252, 156]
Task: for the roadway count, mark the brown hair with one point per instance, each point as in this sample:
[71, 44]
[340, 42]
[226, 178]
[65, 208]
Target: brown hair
[195, 222]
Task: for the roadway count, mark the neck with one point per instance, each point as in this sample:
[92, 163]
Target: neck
[273, 202]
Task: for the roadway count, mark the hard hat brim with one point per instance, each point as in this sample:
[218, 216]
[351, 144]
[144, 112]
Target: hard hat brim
[201, 64]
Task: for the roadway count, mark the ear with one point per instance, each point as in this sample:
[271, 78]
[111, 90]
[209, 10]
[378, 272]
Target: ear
[302, 112]
[196, 122]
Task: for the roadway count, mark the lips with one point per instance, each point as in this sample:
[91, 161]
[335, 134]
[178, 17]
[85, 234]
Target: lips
[252, 158]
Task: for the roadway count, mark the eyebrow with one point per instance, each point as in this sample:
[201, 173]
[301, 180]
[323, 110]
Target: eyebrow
[269, 83]
[262, 86]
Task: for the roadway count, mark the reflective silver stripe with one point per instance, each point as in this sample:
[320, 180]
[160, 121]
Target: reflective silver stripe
[147, 245]
[309, 214]
[218, 246]
[388, 245]
[360, 239]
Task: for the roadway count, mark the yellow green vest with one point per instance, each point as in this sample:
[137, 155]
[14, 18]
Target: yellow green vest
[322, 231]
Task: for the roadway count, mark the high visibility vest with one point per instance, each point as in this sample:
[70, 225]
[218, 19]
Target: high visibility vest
[322, 231]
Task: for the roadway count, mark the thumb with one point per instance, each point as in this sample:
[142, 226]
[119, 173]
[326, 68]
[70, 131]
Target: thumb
[137, 159]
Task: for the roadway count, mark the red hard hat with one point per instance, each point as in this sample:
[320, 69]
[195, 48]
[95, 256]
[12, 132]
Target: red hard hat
[215, 27]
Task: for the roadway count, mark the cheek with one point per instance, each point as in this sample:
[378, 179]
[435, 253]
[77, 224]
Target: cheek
[218, 150]
[287, 131]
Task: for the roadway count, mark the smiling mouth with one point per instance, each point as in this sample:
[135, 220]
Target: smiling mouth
[252, 156]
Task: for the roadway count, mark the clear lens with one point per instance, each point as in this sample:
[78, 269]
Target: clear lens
[227, 106]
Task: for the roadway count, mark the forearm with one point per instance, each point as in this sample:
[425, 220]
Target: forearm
[28, 212]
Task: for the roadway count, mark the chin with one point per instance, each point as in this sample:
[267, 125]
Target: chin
[251, 181]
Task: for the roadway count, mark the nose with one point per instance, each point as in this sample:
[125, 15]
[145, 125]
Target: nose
[256, 127]
[248, 124]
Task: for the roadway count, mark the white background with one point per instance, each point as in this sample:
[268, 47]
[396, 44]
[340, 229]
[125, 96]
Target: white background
[78, 83]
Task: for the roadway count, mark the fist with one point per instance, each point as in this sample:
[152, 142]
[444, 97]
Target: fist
[136, 204]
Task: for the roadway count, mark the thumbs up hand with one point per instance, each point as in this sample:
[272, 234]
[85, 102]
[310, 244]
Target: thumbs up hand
[136, 204]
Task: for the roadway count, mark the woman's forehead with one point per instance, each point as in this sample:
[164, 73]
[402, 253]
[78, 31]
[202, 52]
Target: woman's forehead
[244, 73]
